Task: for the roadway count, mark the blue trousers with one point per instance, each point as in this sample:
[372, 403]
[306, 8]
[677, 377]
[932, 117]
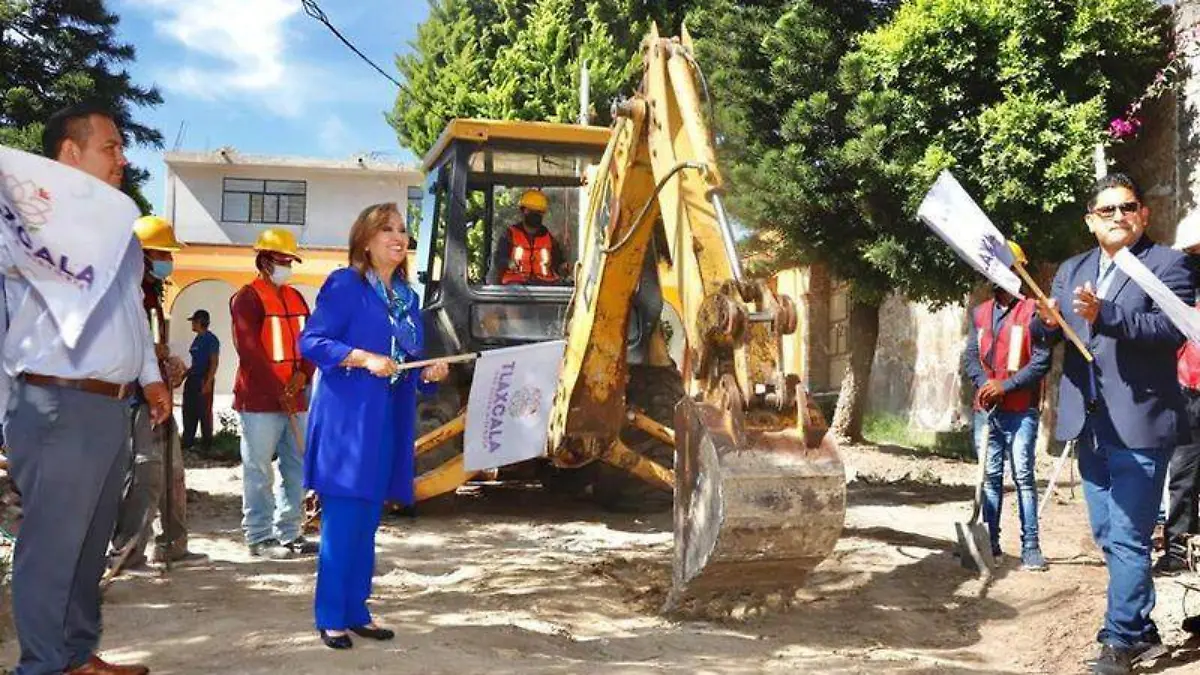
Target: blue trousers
[347, 562]
[1011, 440]
[1123, 488]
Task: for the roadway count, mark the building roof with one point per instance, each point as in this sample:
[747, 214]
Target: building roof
[481, 131]
[231, 157]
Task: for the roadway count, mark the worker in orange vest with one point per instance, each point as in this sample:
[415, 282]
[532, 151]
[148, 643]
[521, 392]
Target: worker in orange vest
[1007, 366]
[269, 388]
[1183, 478]
[527, 253]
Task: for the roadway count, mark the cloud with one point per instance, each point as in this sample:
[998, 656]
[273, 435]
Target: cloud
[233, 49]
[334, 137]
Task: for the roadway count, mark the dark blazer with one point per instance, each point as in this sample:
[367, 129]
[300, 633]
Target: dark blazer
[1134, 346]
[350, 407]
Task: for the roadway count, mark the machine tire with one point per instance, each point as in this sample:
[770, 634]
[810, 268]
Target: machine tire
[655, 390]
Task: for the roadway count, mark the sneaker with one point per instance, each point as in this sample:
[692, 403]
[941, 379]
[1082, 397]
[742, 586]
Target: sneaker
[1112, 661]
[1033, 560]
[271, 549]
[1169, 565]
[302, 546]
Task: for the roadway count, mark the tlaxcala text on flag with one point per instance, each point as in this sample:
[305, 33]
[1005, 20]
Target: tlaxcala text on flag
[66, 234]
[508, 412]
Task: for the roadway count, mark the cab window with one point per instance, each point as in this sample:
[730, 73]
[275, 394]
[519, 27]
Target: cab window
[497, 180]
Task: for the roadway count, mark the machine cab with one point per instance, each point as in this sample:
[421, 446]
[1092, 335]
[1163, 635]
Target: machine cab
[476, 174]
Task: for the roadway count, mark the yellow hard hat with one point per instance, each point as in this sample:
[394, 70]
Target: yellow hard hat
[156, 234]
[1018, 254]
[534, 200]
[278, 240]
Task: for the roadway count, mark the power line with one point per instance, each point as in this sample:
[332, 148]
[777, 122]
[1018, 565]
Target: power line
[314, 10]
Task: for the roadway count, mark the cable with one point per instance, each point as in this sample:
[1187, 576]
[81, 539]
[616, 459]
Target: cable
[637, 221]
[314, 10]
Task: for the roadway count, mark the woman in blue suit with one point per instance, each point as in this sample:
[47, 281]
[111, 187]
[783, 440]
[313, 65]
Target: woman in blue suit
[362, 421]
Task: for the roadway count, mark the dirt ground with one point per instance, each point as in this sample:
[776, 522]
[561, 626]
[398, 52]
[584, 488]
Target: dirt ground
[513, 580]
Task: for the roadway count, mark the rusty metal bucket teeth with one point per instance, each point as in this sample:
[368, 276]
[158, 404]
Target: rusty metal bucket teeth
[750, 517]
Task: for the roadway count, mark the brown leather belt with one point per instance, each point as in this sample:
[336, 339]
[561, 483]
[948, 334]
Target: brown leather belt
[99, 387]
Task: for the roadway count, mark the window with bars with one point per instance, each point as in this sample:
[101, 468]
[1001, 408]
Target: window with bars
[271, 202]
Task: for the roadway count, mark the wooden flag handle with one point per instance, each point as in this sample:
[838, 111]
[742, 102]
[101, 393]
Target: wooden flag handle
[456, 358]
[1037, 291]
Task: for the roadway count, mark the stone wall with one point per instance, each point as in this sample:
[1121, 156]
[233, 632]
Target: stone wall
[917, 370]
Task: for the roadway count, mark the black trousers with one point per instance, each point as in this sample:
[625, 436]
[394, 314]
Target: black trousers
[1184, 485]
[197, 410]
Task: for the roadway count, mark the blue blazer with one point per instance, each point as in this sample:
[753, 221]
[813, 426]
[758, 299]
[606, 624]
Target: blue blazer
[358, 424]
[1134, 346]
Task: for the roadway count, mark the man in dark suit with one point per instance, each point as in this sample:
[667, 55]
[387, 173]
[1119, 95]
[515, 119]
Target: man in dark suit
[1126, 409]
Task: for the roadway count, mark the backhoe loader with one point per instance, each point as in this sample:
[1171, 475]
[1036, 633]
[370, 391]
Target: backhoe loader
[671, 382]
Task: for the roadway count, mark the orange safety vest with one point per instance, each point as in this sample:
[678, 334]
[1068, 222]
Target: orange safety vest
[529, 260]
[284, 315]
[1189, 365]
[1010, 351]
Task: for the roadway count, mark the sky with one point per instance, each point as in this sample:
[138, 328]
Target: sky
[265, 78]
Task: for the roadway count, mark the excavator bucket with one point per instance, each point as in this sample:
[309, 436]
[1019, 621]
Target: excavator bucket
[756, 507]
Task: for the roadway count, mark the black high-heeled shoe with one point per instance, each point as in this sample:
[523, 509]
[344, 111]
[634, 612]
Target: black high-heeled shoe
[374, 633]
[336, 641]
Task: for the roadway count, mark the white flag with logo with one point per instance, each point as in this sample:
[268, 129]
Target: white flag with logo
[1185, 318]
[950, 212]
[508, 413]
[67, 233]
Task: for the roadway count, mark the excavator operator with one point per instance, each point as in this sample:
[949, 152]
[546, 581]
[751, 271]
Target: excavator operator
[527, 253]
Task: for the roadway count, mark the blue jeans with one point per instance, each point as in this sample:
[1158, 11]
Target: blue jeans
[1123, 488]
[1012, 437]
[264, 437]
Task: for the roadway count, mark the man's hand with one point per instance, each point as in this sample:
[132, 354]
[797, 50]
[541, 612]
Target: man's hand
[159, 398]
[1046, 311]
[161, 352]
[175, 371]
[991, 393]
[1087, 303]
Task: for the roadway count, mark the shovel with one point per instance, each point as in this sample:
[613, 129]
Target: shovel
[974, 548]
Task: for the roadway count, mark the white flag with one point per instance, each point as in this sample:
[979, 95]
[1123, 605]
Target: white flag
[1185, 318]
[508, 413]
[950, 212]
[67, 233]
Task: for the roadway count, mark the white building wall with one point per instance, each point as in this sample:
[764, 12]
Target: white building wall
[334, 199]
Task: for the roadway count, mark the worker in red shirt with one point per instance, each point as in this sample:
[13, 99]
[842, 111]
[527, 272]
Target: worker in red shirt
[526, 253]
[1183, 480]
[268, 316]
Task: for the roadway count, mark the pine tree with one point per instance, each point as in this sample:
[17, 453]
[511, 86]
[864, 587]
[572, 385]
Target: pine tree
[59, 52]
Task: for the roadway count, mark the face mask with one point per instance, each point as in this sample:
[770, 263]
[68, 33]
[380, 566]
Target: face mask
[161, 269]
[280, 275]
[533, 219]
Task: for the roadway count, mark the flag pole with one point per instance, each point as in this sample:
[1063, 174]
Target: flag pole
[1071, 335]
[456, 358]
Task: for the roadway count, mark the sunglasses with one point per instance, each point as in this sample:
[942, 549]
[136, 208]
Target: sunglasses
[1109, 211]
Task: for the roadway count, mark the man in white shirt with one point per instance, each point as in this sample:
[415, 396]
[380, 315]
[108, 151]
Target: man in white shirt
[67, 429]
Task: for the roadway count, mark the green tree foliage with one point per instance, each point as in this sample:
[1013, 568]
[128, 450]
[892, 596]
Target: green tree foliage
[520, 59]
[836, 115]
[1011, 95]
[59, 52]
